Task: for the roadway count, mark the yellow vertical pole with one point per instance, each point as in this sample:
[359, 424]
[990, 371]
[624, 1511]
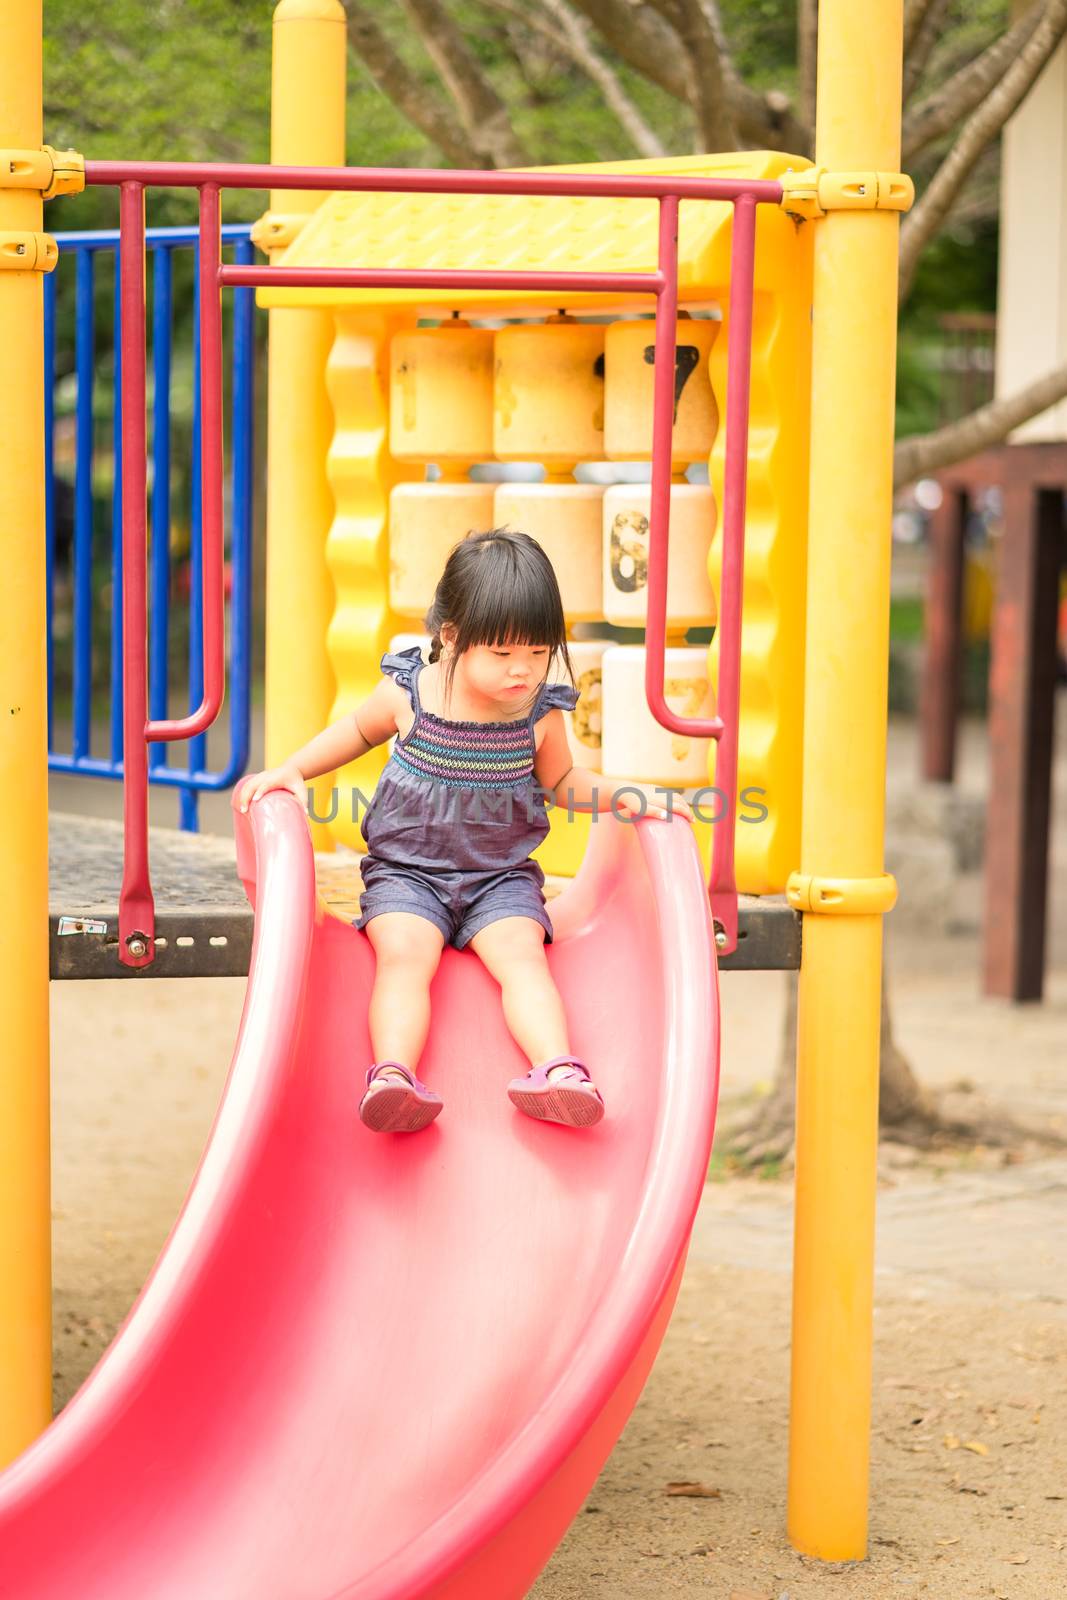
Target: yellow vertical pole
[307, 129]
[25, 1242]
[853, 362]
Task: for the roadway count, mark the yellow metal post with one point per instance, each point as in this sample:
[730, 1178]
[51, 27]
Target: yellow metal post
[307, 129]
[25, 1243]
[853, 360]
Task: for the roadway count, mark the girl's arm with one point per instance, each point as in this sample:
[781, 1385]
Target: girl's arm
[582, 790]
[343, 741]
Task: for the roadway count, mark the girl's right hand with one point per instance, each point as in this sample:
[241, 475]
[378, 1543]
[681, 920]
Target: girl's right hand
[288, 776]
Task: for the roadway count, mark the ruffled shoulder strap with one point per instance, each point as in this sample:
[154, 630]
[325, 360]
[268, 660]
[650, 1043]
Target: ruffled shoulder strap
[555, 697]
[402, 666]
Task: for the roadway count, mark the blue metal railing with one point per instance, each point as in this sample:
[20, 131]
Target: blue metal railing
[196, 776]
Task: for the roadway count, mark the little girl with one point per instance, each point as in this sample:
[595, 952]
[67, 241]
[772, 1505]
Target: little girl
[459, 807]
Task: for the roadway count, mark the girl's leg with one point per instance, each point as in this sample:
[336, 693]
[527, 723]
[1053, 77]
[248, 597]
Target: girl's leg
[513, 951]
[407, 951]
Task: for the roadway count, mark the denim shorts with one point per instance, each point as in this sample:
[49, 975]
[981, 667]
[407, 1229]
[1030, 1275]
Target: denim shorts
[459, 903]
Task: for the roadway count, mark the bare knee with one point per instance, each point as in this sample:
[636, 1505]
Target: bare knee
[402, 941]
[511, 948]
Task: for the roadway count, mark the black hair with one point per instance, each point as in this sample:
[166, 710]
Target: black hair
[498, 588]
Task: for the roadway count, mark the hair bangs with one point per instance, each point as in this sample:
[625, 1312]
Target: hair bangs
[498, 588]
[510, 603]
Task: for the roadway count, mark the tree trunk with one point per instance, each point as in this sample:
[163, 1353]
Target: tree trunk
[908, 1113]
[904, 1105]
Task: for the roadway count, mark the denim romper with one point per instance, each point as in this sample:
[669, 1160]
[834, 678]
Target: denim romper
[455, 816]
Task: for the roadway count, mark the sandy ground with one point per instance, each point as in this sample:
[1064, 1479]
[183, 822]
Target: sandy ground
[969, 1442]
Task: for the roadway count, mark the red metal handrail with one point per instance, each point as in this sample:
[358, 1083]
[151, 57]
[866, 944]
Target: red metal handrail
[136, 907]
[136, 912]
[444, 278]
[427, 180]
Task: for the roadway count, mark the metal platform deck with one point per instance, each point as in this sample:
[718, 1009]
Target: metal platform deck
[204, 922]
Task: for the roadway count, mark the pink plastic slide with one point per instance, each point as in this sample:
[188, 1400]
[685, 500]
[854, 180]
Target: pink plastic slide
[368, 1365]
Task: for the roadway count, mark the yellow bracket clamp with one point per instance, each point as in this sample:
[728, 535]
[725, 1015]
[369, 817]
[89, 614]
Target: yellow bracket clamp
[275, 230]
[27, 252]
[843, 897]
[814, 192]
[51, 171]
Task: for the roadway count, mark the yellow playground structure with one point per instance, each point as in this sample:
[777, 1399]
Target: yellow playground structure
[556, 392]
[368, 388]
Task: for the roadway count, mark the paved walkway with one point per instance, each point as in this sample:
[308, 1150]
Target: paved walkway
[994, 1234]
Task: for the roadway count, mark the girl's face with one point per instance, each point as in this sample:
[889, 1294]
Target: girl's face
[507, 674]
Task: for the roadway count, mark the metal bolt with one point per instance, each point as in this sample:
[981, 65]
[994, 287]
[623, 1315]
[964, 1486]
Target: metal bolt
[137, 944]
[720, 940]
[20, 249]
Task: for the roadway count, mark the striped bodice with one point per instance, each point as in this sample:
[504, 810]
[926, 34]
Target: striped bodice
[422, 818]
[470, 755]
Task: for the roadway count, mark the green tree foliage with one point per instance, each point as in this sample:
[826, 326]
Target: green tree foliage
[190, 79]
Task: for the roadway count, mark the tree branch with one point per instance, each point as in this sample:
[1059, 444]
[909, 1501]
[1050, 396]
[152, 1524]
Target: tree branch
[987, 426]
[768, 122]
[482, 112]
[400, 86]
[571, 34]
[982, 127]
[697, 25]
[651, 45]
[959, 95]
[926, 35]
[807, 54]
[764, 119]
[914, 17]
[641, 39]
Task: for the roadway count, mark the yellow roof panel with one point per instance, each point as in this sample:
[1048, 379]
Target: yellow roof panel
[562, 233]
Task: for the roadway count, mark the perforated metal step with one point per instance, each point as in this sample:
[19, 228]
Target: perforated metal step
[204, 922]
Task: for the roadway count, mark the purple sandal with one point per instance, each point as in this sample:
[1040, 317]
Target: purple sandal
[392, 1107]
[573, 1098]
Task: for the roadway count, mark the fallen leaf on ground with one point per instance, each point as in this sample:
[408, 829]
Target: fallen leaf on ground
[1015, 1561]
[951, 1442]
[694, 1491]
[954, 1540]
[977, 1446]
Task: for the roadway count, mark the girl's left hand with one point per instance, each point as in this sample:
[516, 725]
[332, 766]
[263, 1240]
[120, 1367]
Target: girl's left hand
[656, 803]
